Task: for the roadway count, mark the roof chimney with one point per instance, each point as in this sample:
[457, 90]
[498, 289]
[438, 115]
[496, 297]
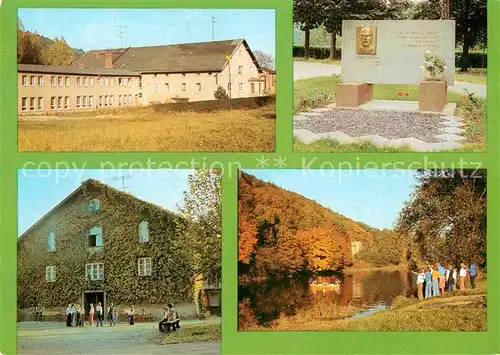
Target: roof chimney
[108, 60]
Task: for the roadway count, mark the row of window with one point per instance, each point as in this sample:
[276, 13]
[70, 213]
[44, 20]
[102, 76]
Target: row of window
[63, 102]
[37, 80]
[95, 271]
[95, 234]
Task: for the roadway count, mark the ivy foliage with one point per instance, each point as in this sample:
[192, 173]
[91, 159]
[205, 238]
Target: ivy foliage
[172, 277]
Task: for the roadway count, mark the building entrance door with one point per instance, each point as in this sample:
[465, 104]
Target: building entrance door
[93, 297]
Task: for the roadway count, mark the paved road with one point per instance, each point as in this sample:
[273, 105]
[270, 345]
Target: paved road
[305, 70]
[142, 338]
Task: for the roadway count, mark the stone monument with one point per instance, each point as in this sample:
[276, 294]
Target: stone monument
[392, 52]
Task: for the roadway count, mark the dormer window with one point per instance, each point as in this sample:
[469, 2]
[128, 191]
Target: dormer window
[94, 205]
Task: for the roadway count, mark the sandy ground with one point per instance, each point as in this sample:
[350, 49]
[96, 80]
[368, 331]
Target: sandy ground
[55, 338]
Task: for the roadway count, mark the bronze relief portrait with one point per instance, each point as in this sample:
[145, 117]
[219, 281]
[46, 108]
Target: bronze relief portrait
[366, 40]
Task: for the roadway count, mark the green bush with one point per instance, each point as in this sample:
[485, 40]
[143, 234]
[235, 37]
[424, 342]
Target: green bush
[472, 110]
[312, 100]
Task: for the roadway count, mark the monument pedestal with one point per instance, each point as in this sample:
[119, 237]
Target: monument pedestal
[353, 94]
[433, 96]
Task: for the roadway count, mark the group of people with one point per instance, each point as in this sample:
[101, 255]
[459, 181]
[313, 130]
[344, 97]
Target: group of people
[75, 315]
[433, 280]
[170, 320]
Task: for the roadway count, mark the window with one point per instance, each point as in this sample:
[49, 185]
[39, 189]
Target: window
[228, 86]
[119, 100]
[216, 79]
[52, 102]
[24, 104]
[92, 82]
[183, 86]
[130, 99]
[101, 82]
[32, 103]
[51, 242]
[78, 101]
[67, 81]
[240, 69]
[106, 100]
[167, 87]
[94, 271]
[40, 81]
[111, 100]
[91, 101]
[85, 100]
[120, 81]
[106, 82]
[100, 100]
[60, 81]
[79, 81]
[143, 232]
[40, 104]
[137, 82]
[198, 86]
[95, 237]
[53, 81]
[32, 80]
[50, 273]
[59, 102]
[130, 82]
[86, 81]
[240, 86]
[144, 266]
[94, 205]
[252, 88]
[24, 80]
[155, 87]
[66, 102]
[112, 80]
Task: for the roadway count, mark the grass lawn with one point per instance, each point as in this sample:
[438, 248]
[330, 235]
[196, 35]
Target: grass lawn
[314, 60]
[474, 76]
[149, 130]
[194, 333]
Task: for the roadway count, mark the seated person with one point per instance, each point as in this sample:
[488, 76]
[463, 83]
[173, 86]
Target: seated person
[168, 320]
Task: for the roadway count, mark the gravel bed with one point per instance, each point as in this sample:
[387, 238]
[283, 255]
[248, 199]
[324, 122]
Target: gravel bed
[388, 124]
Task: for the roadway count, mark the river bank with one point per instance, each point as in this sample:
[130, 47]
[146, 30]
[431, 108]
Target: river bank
[454, 311]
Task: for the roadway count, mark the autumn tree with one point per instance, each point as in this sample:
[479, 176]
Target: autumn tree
[203, 231]
[58, 53]
[264, 59]
[446, 216]
[321, 249]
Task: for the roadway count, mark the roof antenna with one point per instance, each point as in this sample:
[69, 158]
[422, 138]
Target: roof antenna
[120, 33]
[213, 27]
[122, 178]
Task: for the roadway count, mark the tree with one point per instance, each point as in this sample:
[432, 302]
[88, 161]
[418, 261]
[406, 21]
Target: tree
[446, 216]
[58, 53]
[221, 94]
[308, 14]
[471, 25]
[427, 10]
[264, 59]
[203, 223]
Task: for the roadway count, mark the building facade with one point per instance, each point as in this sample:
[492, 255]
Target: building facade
[116, 78]
[103, 245]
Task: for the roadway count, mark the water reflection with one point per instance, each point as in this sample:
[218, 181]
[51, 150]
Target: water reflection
[264, 302]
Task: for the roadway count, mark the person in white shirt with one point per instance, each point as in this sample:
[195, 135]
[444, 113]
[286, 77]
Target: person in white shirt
[68, 316]
[420, 283]
[462, 275]
[98, 310]
[73, 314]
[91, 314]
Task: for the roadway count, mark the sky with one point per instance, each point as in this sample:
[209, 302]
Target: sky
[98, 28]
[374, 197]
[41, 190]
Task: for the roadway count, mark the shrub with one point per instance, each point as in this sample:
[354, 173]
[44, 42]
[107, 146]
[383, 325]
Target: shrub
[221, 94]
[313, 100]
[472, 110]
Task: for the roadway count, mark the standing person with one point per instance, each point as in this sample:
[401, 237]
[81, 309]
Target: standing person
[442, 278]
[420, 283]
[473, 274]
[78, 315]
[435, 280]
[68, 316]
[73, 314]
[99, 314]
[463, 276]
[454, 275]
[131, 315]
[91, 314]
[428, 283]
[111, 310]
[449, 278]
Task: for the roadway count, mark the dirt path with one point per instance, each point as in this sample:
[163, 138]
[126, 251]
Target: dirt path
[458, 300]
[55, 338]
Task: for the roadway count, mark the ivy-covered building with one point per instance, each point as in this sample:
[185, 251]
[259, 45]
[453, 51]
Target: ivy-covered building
[102, 244]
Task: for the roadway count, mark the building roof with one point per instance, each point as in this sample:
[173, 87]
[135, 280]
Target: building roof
[175, 58]
[101, 185]
[32, 68]
[268, 70]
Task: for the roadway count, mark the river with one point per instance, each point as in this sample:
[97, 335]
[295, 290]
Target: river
[372, 290]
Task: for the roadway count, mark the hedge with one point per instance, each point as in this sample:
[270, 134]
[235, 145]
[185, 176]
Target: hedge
[216, 105]
[475, 58]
